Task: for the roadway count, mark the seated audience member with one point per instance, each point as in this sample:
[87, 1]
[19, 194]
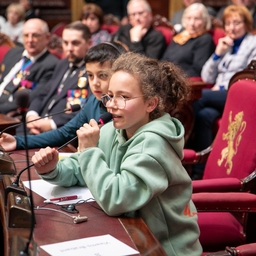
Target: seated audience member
[30, 67]
[191, 48]
[29, 8]
[93, 18]
[139, 35]
[232, 54]
[249, 4]
[13, 26]
[115, 7]
[176, 19]
[2, 22]
[99, 60]
[68, 84]
[136, 158]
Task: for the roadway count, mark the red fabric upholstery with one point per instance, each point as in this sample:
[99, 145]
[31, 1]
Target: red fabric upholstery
[58, 29]
[217, 33]
[234, 151]
[3, 50]
[110, 28]
[167, 32]
[217, 230]
[233, 157]
[217, 185]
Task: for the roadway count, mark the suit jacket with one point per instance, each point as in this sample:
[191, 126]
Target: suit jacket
[42, 103]
[39, 73]
[152, 44]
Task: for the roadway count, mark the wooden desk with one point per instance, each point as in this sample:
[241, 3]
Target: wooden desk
[53, 227]
[6, 121]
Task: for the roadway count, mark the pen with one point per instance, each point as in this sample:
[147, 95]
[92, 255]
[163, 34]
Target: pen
[61, 199]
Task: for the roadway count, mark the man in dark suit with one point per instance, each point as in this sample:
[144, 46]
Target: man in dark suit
[29, 67]
[139, 35]
[68, 84]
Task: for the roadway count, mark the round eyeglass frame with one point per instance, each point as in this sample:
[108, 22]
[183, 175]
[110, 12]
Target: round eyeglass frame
[107, 99]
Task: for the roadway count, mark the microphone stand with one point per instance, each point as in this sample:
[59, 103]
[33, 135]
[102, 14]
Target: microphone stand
[16, 245]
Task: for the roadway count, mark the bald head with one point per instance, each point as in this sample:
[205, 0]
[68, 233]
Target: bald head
[35, 36]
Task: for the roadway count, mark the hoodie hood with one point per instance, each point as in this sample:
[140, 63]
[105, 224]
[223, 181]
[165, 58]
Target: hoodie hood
[165, 126]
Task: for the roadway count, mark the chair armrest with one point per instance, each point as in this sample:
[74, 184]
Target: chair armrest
[249, 182]
[193, 157]
[242, 250]
[225, 202]
[217, 185]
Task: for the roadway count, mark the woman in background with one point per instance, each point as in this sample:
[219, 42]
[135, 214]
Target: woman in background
[15, 21]
[93, 18]
[232, 54]
[191, 48]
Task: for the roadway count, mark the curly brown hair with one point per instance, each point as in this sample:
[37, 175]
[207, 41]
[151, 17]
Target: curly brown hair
[159, 79]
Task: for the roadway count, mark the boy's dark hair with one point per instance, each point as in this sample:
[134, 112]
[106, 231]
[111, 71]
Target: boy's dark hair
[104, 52]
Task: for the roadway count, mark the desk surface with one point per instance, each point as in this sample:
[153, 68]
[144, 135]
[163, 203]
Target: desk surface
[6, 121]
[52, 227]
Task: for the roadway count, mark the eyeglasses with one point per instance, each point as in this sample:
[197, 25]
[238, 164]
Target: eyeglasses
[34, 36]
[235, 23]
[136, 13]
[119, 100]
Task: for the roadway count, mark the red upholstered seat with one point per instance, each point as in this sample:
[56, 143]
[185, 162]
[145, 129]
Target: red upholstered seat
[111, 28]
[167, 32]
[230, 169]
[3, 50]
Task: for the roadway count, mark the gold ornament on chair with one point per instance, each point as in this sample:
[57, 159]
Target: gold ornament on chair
[233, 138]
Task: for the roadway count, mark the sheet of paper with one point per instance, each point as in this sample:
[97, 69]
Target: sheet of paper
[105, 245]
[48, 190]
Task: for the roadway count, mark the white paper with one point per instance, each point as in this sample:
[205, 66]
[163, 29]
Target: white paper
[105, 245]
[48, 190]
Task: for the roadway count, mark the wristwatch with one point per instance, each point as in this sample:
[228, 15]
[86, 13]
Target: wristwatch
[135, 40]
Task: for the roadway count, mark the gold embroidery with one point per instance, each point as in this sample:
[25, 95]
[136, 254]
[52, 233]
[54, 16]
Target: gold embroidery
[233, 138]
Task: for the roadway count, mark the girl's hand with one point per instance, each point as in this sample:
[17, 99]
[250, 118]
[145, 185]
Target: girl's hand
[88, 135]
[45, 160]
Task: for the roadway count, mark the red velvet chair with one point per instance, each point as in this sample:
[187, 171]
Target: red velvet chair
[242, 250]
[58, 29]
[163, 25]
[229, 171]
[5, 45]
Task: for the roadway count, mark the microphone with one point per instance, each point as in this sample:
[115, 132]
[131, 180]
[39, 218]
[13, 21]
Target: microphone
[72, 108]
[22, 100]
[104, 118]
[14, 187]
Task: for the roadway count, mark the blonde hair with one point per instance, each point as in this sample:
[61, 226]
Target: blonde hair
[18, 8]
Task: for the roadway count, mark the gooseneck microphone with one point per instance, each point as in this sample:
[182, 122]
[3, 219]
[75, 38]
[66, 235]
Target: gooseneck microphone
[22, 100]
[104, 118]
[72, 108]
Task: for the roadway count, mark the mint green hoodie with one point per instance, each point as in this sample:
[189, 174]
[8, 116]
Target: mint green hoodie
[142, 174]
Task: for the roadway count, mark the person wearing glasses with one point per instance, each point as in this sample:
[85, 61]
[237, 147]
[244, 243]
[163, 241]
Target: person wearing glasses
[133, 164]
[28, 67]
[232, 54]
[98, 61]
[139, 35]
